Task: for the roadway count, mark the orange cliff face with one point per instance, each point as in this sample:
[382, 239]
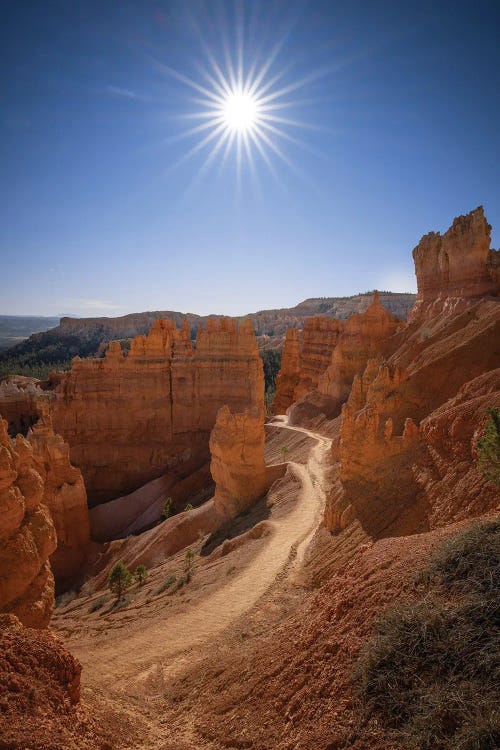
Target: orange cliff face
[238, 468]
[305, 358]
[288, 377]
[18, 402]
[27, 535]
[130, 419]
[410, 427]
[363, 336]
[65, 497]
[458, 265]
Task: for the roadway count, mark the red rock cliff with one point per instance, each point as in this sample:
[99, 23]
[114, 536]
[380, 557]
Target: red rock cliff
[238, 468]
[458, 264]
[65, 497]
[129, 419]
[306, 356]
[362, 336]
[409, 429]
[27, 535]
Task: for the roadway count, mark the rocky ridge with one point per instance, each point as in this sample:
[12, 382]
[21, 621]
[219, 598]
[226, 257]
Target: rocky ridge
[130, 419]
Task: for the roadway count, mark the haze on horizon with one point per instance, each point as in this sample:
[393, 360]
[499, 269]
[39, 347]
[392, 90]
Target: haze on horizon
[375, 124]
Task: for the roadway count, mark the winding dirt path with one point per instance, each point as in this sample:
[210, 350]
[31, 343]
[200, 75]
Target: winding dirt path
[173, 643]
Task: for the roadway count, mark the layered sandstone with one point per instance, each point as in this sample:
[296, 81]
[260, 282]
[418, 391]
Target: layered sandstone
[130, 419]
[457, 265]
[306, 356]
[238, 468]
[289, 375]
[27, 535]
[18, 402]
[362, 337]
[408, 456]
[377, 451]
[65, 497]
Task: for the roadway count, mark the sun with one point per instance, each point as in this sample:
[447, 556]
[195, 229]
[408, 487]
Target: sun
[243, 104]
[240, 112]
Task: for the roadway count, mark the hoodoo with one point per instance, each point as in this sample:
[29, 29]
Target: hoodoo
[238, 468]
[27, 535]
[65, 497]
[456, 266]
[129, 419]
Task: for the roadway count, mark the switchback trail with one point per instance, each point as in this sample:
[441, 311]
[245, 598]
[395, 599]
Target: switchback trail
[167, 643]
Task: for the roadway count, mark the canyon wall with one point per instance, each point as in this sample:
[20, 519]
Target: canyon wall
[306, 356]
[18, 402]
[130, 419]
[65, 497]
[27, 535]
[407, 451]
[360, 337]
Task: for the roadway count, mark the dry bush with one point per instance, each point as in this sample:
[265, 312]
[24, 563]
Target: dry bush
[431, 671]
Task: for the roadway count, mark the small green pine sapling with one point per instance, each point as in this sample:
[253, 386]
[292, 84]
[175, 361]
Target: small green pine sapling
[141, 574]
[188, 564]
[167, 509]
[119, 579]
[489, 448]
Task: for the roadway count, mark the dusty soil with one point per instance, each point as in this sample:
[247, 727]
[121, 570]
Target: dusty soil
[245, 587]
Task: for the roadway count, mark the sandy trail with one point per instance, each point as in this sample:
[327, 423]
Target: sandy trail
[169, 645]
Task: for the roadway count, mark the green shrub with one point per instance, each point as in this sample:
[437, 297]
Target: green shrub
[430, 672]
[489, 448]
[188, 564]
[140, 574]
[119, 579]
[167, 509]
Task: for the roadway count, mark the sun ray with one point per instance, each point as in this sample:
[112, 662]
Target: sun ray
[244, 103]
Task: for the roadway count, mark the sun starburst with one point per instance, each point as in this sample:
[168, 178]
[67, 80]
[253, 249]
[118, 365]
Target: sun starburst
[245, 110]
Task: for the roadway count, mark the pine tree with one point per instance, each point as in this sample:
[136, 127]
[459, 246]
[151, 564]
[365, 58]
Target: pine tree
[489, 448]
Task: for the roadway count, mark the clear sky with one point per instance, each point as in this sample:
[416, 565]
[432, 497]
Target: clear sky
[388, 126]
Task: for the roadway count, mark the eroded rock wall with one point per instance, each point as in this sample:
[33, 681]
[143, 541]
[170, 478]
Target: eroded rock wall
[408, 441]
[456, 266]
[238, 467]
[362, 337]
[306, 356]
[18, 402]
[27, 535]
[129, 419]
[65, 496]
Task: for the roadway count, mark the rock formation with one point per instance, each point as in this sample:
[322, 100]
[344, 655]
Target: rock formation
[409, 429]
[306, 356]
[362, 336]
[458, 264]
[289, 375]
[129, 419]
[238, 468]
[18, 402]
[65, 497]
[27, 535]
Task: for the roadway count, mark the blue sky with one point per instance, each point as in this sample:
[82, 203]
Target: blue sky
[395, 109]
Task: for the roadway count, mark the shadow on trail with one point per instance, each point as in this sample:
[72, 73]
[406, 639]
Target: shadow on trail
[247, 520]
